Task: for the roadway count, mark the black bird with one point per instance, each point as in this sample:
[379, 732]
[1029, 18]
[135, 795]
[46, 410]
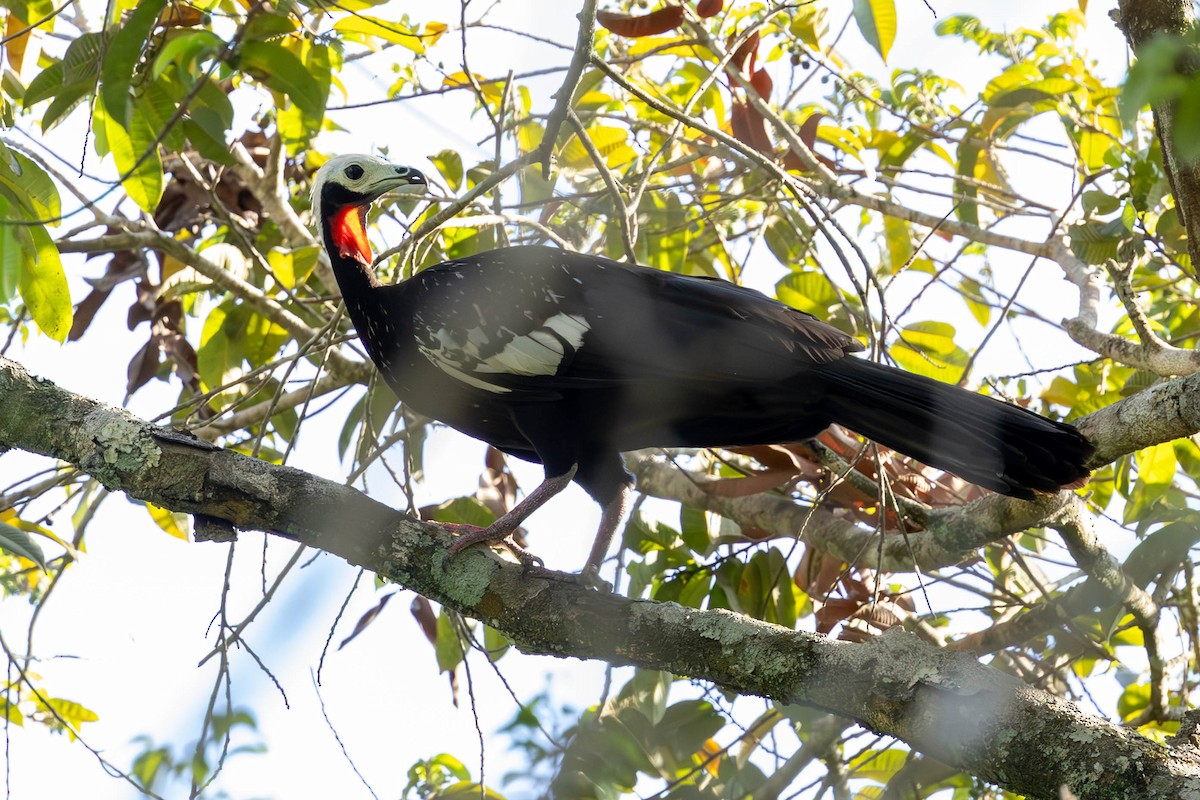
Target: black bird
[569, 359]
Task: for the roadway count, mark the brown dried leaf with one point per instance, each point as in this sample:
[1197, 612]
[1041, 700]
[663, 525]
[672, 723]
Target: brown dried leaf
[143, 366]
[762, 83]
[773, 456]
[855, 635]
[366, 619]
[423, 613]
[835, 610]
[709, 8]
[748, 126]
[180, 15]
[808, 129]
[855, 588]
[752, 484]
[748, 49]
[881, 615]
[667, 18]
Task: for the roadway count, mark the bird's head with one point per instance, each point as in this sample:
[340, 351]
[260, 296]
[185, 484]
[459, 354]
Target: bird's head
[344, 189]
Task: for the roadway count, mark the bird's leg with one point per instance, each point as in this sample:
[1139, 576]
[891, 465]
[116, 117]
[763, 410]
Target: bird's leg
[610, 518]
[500, 530]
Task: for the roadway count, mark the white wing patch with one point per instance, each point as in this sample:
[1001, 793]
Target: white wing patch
[539, 352]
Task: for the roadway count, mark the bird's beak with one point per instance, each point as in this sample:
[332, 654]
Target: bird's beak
[405, 180]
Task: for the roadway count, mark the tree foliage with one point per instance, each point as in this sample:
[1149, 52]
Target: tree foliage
[1026, 240]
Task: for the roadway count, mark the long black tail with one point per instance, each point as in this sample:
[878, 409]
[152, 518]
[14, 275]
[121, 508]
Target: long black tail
[986, 441]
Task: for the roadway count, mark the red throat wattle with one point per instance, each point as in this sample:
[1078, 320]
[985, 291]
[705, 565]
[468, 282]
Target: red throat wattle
[349, 234]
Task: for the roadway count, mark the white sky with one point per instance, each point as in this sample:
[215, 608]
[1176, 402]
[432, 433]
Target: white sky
[126, 628]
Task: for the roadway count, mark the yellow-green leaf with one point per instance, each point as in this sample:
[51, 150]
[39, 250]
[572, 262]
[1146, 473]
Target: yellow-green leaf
[43, 287]
[807, 291]
[933, 337]
[1156, 465]
[898, 236]
[68, 712]
[167, 520]
[608, 140]
[12, 253]
[19, 543]
[877, 21]
[928, 348]
[366, 28]
[28, 185]
[10, 712]
[136, 156]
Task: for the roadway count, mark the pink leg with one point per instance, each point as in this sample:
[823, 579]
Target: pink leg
[499, 531]
[610, 518]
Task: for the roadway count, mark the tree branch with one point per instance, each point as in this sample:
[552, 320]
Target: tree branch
[941, 703]
[1141, 21]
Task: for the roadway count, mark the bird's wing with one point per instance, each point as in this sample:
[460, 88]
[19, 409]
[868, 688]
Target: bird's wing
[530, 320]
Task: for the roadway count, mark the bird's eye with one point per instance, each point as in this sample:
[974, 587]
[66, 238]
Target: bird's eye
[354, 172]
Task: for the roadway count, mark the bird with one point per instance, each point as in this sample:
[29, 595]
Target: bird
[570, 359]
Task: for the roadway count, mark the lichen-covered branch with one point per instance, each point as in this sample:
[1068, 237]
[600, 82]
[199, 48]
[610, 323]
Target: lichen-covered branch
[1141, 21]
[941, 703]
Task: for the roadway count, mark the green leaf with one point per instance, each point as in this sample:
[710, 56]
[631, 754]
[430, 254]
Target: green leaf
[972, 294]
[928, 348]
[876, 20]
[43, 287]
[219, 354]
[280, 69]
[77, 69]
[122, 56]
[932, 337]
[1154, 77]
[693, 528]
[157, 102]
[169, 522]
[610, 143]
[449, 164]
[1097, 242]
[19, 543]
[788, 239]
[67, 712]
[28, 185]
[185, 51]
[965, 191]
[45, 84]
[495, 643]
[898, 237]
[365, 28]
[807, 291]
[1156, 465]
[687, 725]
[12, 254]
[464, 511]
[11, 713]
[467, 790]
[136, 156]
[261, 340]
[878, 765]
[208, 121]
[448, 647]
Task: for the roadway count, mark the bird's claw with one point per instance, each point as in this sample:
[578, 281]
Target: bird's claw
[470, 535]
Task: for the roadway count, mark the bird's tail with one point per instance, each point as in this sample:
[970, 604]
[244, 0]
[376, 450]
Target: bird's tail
[986, 441]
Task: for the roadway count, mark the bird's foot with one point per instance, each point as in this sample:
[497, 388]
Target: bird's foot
[587, 579]
[471, 535]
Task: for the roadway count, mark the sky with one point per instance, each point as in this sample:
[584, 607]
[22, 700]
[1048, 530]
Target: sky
[124, 633]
